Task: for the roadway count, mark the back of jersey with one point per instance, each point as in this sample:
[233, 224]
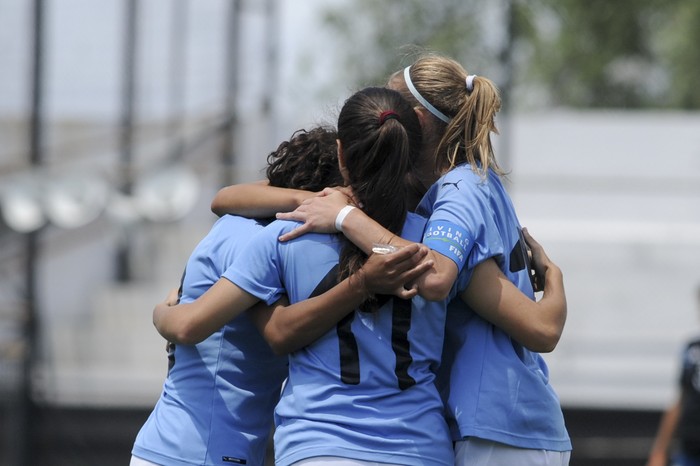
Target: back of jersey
[219, 395]
[365, 390]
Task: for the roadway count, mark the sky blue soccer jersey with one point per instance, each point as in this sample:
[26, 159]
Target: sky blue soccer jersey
[364, 390]
[493, 387]
[218, 399]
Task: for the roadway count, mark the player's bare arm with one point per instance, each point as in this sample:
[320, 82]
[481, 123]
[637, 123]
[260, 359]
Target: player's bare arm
[288, 328]
[191, 323]
[257, 200]
[319, 215]
[537, 325]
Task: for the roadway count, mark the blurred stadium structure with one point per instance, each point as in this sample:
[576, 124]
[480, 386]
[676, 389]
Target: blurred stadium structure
[117, 119]
[105, 187]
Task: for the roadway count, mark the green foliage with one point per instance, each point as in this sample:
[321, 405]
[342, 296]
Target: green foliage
[681, 55]
[579, 53]
[385, 35]
[602, 54]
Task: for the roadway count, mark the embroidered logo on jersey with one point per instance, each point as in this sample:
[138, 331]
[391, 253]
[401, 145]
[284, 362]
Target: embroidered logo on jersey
[447, 239]
[449, 183]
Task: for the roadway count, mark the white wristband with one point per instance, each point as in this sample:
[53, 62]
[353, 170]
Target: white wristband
[341, 216]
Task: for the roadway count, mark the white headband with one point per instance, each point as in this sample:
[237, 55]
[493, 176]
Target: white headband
[420, 98]
[470, 82]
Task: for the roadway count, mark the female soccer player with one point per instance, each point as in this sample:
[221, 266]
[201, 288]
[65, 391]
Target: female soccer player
[219, 395]
[363, 392]
[500, 404]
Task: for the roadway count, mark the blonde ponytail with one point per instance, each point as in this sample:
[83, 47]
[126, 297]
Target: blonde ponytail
[471, 112]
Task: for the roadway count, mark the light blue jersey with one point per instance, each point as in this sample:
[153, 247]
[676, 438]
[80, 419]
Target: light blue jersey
[364, 390]
[219, 396]
[494, 388]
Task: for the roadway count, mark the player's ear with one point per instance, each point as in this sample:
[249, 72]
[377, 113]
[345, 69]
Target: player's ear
[423, 115]
[341, 162]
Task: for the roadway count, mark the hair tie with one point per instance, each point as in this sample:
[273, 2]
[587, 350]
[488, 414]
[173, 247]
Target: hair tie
[388, 115]
[420, 98]
[470, 82]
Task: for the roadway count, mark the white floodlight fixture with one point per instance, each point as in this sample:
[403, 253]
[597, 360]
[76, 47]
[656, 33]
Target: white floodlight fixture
[121, 209]
[20, 204]
[167, 195]
[74, 201]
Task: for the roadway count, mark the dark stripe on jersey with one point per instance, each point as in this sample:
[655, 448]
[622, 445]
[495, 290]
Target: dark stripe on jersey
[349, 353]
[328, 282]
[182, 284]
[401, 324]
[518, 256]
[170, 347]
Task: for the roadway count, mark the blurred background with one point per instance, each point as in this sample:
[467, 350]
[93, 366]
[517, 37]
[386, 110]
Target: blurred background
[120, 119]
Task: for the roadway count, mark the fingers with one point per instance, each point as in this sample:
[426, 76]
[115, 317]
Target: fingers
[536, 281]
[408, 260]
[539, 261]
[173, 297]
[538, 253]
[293, 215]
[392, 273]
[413, 274]
[295, 233]
[327, 191]
[403, 254]
[530, 240]
[404, 293]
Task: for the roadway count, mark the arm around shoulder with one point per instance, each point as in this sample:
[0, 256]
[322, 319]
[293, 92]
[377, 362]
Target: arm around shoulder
[257, 200]
[191, 323]
[320, 214]
[288, 328]
[434, 285]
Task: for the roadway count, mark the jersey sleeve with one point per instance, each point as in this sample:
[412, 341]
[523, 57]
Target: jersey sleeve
[257, 269]
[462, 225]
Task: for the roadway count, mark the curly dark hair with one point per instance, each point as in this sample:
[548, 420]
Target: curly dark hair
[308, 161]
